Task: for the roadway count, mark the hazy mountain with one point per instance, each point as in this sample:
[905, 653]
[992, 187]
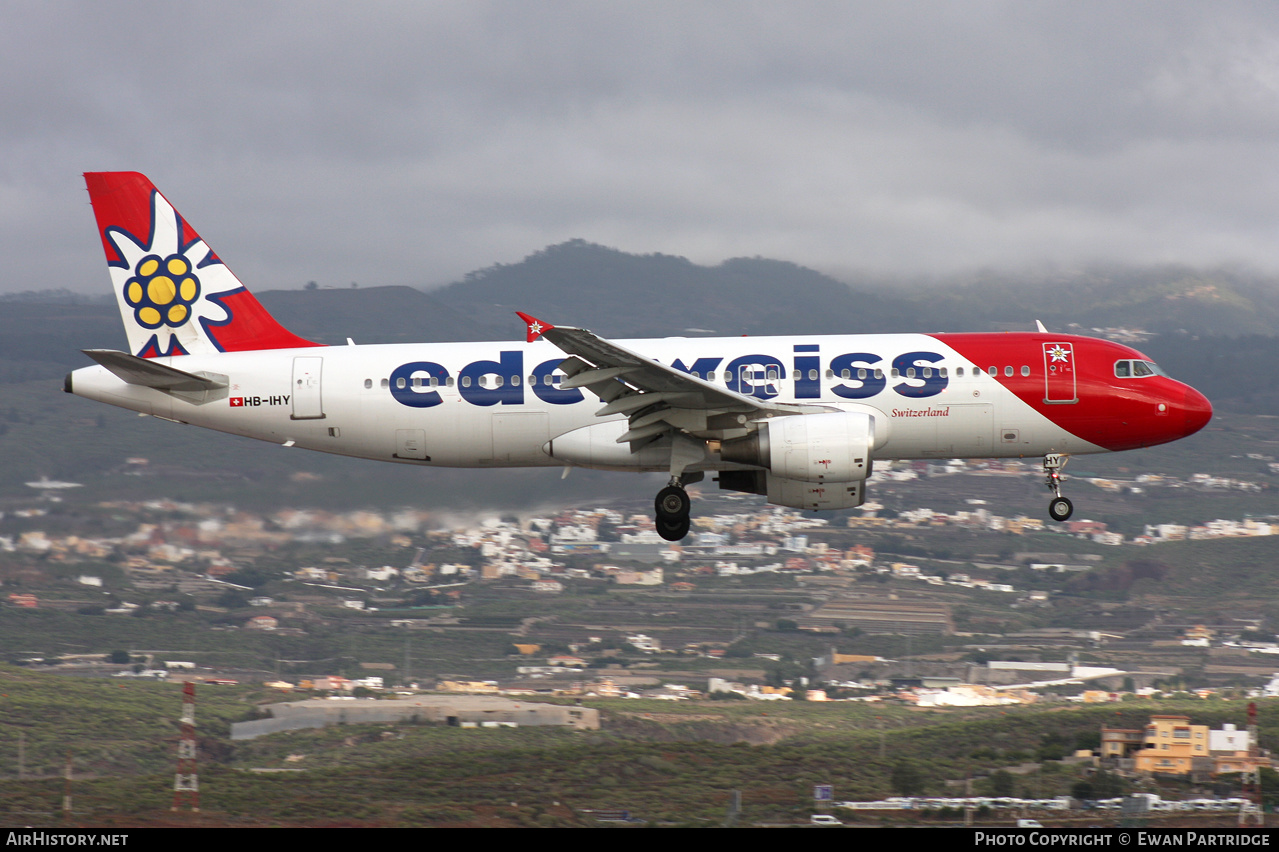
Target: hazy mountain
[628, 295]
[1213, 329]
[376, 315]
[616, 293]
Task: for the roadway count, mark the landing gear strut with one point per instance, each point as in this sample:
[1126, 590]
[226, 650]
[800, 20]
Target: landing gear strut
[1060, 508]
[672, 511]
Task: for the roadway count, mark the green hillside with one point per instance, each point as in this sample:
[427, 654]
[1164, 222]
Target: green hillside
[673, 764]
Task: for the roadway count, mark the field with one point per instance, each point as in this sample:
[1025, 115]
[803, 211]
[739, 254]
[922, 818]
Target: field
[665, 763]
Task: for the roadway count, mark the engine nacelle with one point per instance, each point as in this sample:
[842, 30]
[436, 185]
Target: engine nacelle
[792, 492]
[815, 495]
[822, 448]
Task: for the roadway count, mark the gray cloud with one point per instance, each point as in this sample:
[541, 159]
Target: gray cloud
[412, 142]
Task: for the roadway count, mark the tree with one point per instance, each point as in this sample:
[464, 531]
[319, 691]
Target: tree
[233, 599]
[1269, 786]
[906, 779]
[1001, 783]
[1108, 785]
[1052, 746]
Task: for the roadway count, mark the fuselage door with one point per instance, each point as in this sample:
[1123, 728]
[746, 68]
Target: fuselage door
[307, 404]
[1059, 373]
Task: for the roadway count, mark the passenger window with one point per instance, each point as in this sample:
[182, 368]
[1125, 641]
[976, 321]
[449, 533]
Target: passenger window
[959, 372]
[861, 373]
[466, 381]
[449, 381]
[710, 377]
[1008, 371]
[400, 383]
[942, 372]
[879, 374]
[994, 371]
[1025, 371]
[896, 374]
[532, 381]
[368, 383]
[928, 372]
[386, 383]
[417, 381]
[796, 375]
[910, 372]
[515, 381]
[812, 375]
[435, 383]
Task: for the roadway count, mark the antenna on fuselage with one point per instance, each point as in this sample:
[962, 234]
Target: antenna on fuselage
[1039, 326]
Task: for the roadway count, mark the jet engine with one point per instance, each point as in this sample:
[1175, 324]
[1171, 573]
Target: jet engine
[811, 461]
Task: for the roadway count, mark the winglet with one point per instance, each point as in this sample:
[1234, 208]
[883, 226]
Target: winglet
[536, 328]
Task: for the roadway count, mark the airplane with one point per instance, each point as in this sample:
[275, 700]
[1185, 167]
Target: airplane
[798, 419]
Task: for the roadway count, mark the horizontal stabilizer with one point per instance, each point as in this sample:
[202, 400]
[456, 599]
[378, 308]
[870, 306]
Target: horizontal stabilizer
[149, 374]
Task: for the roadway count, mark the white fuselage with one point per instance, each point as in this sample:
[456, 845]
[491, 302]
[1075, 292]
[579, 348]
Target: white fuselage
[378, 401]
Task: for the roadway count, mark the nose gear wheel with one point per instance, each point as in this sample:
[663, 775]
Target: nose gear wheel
[1060, 508]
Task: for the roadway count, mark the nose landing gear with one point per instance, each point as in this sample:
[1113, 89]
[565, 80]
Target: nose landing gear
[1060, 508]
[672, 508]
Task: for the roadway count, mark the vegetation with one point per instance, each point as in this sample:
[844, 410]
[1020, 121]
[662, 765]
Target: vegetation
[665, 763]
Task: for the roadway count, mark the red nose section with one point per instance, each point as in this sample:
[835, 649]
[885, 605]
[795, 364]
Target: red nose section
[1197, 410]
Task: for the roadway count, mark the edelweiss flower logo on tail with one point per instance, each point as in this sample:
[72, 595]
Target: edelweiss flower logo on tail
[169, 290]
[163, 291]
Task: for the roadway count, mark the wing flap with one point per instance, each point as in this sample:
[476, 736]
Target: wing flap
[657, 399]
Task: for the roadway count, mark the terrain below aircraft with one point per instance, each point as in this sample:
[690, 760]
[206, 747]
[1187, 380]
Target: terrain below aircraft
[801, 420]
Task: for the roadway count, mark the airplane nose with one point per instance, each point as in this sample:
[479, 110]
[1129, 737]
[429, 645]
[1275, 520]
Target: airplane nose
[1197, 410]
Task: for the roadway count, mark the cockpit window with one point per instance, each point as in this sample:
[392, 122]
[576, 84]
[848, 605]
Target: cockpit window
[1137, 369]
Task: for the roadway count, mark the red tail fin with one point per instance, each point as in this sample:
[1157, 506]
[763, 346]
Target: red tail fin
[176, 296]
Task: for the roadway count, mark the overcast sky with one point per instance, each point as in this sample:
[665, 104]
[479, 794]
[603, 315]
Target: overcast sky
[391, 143]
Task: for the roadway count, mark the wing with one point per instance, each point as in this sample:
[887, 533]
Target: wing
[657, 399]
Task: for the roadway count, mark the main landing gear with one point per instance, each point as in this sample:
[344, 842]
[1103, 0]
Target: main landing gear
[1060, 508]
[672, 508]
